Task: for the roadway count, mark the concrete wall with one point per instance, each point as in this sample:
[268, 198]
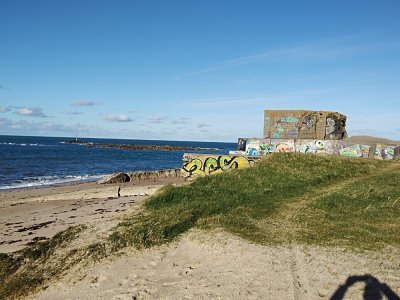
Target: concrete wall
[304, 124]
[205, 164]
[263, 146]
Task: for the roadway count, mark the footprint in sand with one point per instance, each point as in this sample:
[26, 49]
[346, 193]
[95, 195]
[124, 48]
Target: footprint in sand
[95, 282]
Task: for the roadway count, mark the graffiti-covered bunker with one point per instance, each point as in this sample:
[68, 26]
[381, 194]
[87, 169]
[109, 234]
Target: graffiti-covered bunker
[304, 131]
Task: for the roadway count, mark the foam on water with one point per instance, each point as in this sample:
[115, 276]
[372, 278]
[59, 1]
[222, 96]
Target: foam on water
[50, 180]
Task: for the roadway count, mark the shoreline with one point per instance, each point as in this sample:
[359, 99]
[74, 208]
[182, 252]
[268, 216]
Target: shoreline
[32, 214]
[93, 179]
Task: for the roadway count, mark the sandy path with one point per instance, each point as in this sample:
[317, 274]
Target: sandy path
[220, 266]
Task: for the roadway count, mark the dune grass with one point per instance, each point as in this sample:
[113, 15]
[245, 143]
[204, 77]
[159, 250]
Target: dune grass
[364, 214]
[26, 270]
[284, 198]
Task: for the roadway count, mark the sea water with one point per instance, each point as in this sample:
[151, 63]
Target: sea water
[30, 161]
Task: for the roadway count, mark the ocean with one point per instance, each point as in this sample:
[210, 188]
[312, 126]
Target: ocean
[31, 161]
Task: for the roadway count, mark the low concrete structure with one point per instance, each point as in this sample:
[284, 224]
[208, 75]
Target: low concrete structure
[303, 131]
[304, 124]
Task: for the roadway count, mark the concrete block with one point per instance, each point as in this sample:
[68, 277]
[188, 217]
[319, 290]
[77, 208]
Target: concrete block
[303, 124]
[396, 153]
[282, 145]
[351, 151]
[237, 153]
[317, 146]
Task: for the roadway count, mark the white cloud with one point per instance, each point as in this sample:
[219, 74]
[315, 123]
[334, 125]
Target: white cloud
[117, 118]
[74, 112]
[33, 127]
[224, 101]
[4, 109]
[324, 49]
[82, 102]
[182, 120]
[156, 119]
[203, 125]
[30, 111]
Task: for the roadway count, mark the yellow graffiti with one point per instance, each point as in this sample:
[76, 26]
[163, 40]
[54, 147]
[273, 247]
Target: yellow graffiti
[194, 167]
[229, 163]
[212, 165]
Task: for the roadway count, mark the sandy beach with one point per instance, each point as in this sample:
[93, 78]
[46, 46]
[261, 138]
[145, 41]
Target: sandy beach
[199, 265]
[29, 215]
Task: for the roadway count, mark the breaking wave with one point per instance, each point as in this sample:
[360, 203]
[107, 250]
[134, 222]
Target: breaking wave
[49, 180]
[26, 144]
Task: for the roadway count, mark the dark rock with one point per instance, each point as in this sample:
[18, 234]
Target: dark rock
[137, 147]
[115, 178]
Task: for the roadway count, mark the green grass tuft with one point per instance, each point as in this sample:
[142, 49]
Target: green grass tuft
[364, 214]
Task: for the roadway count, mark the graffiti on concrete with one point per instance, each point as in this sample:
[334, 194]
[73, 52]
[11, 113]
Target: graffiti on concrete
[331, 127]
[389, 153]
[264, 146]
[384, 152]
[316, 146]
[252, 147]
[206, 165]
[308, 122]
[304, 124]
[286, 127]
[278, 146]
[352, 151]
[241, 144]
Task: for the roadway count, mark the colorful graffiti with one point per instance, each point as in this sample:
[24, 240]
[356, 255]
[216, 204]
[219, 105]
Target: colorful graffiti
[304, 124]
[242, 144]
[252, 147]
[382, 152]
[332, 128]
[352, 151]
[206, 165]
[261, 147]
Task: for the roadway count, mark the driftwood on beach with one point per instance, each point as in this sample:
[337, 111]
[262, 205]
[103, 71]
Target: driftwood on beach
[137, 146]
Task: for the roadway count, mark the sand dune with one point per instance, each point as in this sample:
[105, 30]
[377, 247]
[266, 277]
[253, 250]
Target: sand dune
[369, 140]
[217, 265]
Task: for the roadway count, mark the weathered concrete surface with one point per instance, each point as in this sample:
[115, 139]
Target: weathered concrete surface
[304, 124]
[396, 152]
[148, 175]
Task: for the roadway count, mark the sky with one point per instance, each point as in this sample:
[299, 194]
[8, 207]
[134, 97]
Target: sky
[195, 70]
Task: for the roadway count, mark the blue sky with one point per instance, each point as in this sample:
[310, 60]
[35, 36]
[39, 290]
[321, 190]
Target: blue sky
[195, 70]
